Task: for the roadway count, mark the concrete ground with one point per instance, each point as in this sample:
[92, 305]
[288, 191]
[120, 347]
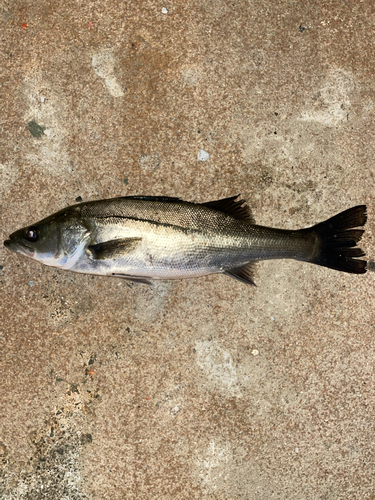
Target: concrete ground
[205, 388]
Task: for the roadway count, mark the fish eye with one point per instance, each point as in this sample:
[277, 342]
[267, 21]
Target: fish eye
[32, 233]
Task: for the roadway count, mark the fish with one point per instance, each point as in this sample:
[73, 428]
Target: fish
[146, 238]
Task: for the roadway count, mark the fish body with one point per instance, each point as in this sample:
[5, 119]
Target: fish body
[149, 238]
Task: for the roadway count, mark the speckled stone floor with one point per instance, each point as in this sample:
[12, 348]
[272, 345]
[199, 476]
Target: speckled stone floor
[206, 388]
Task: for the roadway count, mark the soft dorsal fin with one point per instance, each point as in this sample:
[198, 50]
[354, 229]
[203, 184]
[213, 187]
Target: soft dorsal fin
[243, 274]
[237, 209]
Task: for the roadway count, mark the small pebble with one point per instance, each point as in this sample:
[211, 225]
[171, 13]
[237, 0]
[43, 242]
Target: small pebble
[164, 10]
[203, 155]
[272, 318]
[42, 98]
[255, 352]
[31, 283]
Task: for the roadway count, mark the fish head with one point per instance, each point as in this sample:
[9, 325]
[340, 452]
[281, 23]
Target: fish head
[58, 241]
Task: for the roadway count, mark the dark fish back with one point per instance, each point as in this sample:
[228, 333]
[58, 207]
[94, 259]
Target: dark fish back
[167, 211]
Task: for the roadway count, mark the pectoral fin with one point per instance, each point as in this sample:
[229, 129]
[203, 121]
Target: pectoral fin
[113, 249]
[135, 279]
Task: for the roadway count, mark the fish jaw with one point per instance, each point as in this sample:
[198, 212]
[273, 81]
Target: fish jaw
[16, 247]
[64, 261]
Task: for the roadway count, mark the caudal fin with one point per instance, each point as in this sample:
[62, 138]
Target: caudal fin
[339, 241]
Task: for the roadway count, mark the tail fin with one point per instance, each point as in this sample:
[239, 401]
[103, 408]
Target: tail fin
[338, 248]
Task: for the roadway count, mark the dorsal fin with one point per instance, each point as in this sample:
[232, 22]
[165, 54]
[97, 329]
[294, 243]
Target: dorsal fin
[237, 209]
[154, 198]
[243, 274]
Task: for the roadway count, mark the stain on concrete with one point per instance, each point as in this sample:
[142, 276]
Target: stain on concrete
[35, 129]
[50, 154]
[54, 469]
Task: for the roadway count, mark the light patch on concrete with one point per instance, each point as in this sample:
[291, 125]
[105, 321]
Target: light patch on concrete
[8, 176]
[19, 491]
[295, 146]
[49, 151]
[212, 465]
[190, 77]
[290, 138]
[331, 102]
[258, 58]
[226, 470]
[149, 163]
[218, 365]
[151, 300]
[103, 63]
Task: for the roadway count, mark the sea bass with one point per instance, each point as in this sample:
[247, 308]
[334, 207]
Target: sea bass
[143, 238]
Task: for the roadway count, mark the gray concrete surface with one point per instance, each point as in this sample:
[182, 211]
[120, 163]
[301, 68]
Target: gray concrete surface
[201, 389]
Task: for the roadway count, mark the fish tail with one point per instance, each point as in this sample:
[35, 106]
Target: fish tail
[338, 238]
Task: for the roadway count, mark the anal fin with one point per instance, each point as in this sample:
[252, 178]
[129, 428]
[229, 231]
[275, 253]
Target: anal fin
[244, 273]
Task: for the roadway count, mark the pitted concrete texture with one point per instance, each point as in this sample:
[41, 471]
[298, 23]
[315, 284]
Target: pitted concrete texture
[206, 388]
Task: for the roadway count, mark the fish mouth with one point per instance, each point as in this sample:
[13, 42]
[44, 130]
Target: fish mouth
[16, 247]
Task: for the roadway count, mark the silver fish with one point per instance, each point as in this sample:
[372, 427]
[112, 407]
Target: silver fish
[143, 238]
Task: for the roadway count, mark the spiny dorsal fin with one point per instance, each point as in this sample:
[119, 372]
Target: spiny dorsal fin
[154, 198]
[243, 274]
[237, 209]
